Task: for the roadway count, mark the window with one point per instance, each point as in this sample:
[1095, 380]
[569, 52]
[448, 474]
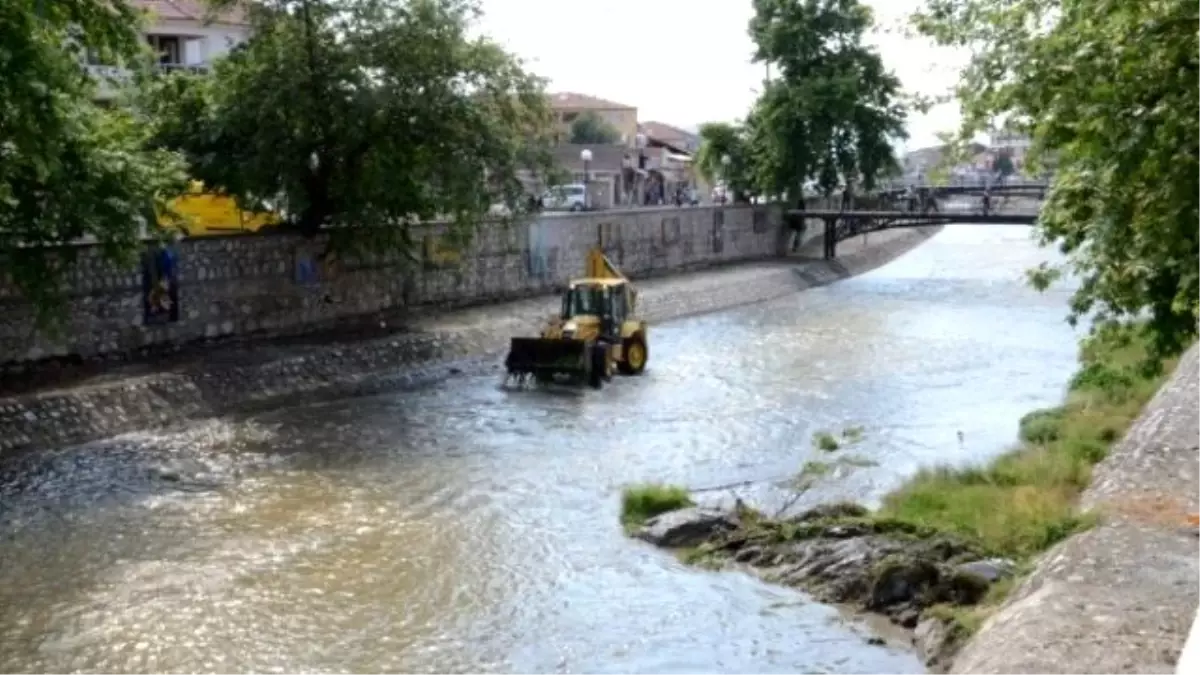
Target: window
[168, 47]
[583, 300]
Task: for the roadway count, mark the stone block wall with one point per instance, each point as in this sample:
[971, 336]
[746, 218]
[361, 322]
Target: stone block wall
[251, 285]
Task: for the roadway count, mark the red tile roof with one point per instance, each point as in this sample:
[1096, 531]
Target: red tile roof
[665, 132]
[568, 100]
[189, 10]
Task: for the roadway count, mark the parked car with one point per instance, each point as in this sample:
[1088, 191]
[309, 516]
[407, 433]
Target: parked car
[572, 197]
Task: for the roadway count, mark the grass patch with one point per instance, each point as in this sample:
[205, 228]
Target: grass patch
[1025, 501]
[815, 470]
[826, 441]
[640, 503]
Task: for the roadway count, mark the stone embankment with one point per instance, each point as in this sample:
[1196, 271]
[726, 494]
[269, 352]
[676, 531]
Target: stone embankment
[244, 379]
[1122, 596]
[842, 554]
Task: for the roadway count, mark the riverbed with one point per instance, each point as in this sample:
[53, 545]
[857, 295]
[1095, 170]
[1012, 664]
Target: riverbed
[464, 527]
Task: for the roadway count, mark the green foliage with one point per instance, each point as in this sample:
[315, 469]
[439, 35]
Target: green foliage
[1107, 91]
[592, 129]
[834, 112]
[1025, 501]
[830, 117]
[362, 115]
[70, 169]
[717, 141]
[640, 503]
[826, 441]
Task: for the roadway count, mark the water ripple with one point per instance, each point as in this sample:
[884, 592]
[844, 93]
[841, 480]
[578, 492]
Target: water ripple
[463, 527]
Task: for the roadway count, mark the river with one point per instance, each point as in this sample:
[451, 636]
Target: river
[463, 527]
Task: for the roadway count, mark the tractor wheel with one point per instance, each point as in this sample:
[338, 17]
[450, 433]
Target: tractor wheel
[634, 355]
[596, 375]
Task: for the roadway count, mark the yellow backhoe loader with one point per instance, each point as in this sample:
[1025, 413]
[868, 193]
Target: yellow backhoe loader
[595, 333]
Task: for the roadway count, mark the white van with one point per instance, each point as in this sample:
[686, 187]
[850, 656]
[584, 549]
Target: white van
[572, 197]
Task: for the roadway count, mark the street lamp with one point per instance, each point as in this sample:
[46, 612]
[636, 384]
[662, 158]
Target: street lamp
[586, 156]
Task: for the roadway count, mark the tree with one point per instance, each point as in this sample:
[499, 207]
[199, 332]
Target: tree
[69, 169]
[834, 112]
[719, 140]
[1109, 90]
[356, 114]
[592, 129]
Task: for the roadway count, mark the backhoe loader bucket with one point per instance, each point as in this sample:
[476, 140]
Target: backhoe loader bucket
[548, 357]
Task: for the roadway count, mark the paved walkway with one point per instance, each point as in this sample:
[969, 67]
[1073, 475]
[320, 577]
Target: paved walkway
[1120, 598]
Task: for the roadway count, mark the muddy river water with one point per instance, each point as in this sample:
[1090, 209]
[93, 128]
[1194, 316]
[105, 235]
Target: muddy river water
[464, 527]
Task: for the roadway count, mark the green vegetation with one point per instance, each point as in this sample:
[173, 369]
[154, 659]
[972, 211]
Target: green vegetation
[853, 434]
[640, 503]
[826, 441]
[591, 129]
[1025, 501]
[361, 113]
[813, 470]
[70, 168]
[1109, 93]
[829, 115]
[364, 116]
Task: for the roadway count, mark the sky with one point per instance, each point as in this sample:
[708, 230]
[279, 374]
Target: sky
[686, 62]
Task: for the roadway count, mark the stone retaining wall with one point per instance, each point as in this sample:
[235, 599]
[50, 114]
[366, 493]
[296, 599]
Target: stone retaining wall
[439, 345]
[277, 284]
[1121, 597]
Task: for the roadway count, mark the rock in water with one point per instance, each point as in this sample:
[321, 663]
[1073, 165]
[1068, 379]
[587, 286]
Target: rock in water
[686, 527]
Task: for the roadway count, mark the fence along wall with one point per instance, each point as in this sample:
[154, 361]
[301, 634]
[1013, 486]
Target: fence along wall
[279, 284]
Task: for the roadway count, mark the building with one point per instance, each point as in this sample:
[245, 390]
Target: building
[1015, 145]
[568, 106]
[183, 34]
[680, 139]
[670, 153]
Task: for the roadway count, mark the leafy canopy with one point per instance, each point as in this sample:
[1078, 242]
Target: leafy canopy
[70, 169]
[362, 113]
[719, 140]
[834, 111]
[1107, 90]
[829, 117]
[592, 129]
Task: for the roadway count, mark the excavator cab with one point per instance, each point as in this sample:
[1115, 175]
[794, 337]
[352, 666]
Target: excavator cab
[593, 334]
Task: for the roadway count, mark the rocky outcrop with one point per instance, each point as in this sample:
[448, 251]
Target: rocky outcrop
[841, 554]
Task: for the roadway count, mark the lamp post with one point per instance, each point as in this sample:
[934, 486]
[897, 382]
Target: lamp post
[725, 162]
[586, 156]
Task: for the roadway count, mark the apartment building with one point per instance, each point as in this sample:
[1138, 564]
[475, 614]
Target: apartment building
[184, 34]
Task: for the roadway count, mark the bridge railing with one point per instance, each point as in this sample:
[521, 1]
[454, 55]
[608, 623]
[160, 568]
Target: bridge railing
[967, 183]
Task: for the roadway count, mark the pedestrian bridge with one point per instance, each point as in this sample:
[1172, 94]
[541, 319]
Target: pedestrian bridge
[840, 225]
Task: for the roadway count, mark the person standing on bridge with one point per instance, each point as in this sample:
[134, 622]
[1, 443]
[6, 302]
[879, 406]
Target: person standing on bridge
[910, 196]
[987, 200]
[847, 198]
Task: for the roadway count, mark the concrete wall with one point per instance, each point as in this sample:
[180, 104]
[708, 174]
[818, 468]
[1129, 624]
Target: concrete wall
[258, 285]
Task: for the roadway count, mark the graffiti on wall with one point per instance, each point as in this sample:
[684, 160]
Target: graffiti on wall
[545, 239]
[160, 286]
[440, 252]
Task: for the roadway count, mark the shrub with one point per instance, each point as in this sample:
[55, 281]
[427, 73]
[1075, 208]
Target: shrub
[640, 503]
